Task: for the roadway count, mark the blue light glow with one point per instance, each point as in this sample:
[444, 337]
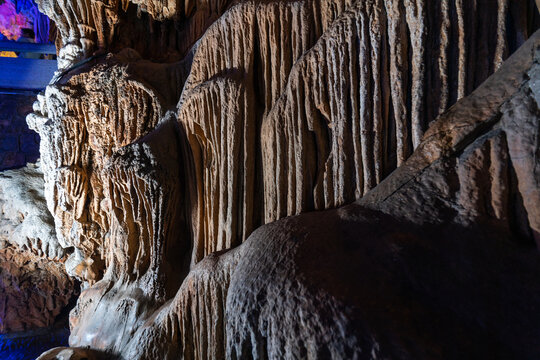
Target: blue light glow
[28, 346]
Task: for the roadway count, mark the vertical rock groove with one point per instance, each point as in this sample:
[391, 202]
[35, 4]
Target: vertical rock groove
[208, 119]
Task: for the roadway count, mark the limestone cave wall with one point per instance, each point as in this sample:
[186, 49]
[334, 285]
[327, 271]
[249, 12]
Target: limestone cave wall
[295, 179]
[35, 289]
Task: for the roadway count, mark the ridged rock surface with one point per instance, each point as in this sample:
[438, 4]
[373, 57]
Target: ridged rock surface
[443, 264]
[196, 123]
[419, 275]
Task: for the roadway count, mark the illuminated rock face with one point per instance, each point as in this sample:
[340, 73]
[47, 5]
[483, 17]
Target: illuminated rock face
[169, 162]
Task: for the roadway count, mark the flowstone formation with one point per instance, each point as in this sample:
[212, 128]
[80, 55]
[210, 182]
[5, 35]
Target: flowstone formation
[185, 146]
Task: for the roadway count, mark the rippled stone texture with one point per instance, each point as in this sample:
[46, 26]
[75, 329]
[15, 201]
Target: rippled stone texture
[170, 161]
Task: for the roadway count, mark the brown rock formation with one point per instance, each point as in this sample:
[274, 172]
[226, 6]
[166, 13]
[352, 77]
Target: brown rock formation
[430, 278]
[34, 286]
[268, 158]
[208, 119]
[33, 290]
[159, 30]
[443, 264]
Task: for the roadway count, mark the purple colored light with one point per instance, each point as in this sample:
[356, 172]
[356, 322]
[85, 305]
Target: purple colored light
[18, 14]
